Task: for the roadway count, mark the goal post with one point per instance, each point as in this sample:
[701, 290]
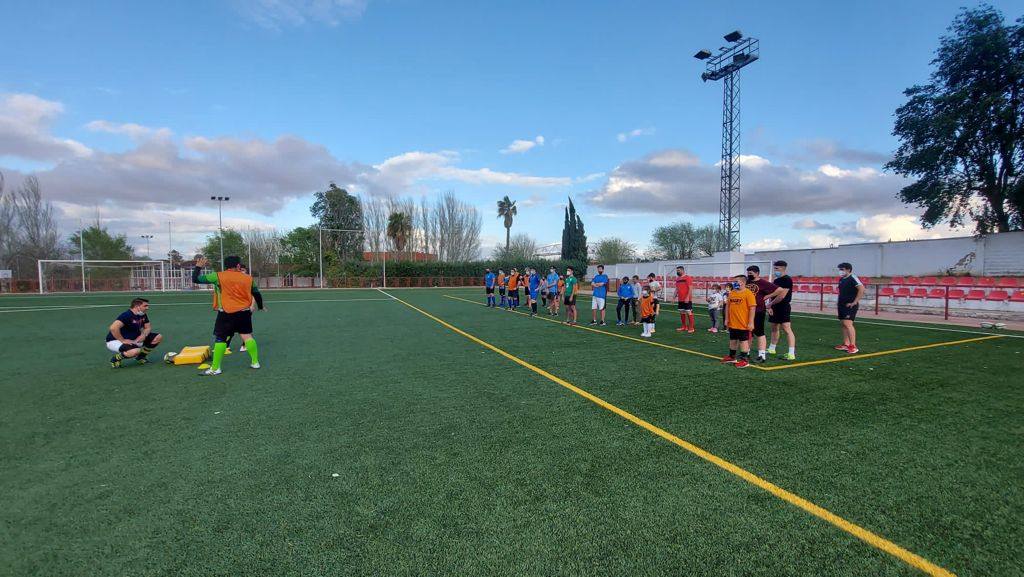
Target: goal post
[63, 276]
[705, 274]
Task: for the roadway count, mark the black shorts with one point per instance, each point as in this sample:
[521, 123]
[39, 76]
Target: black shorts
[501, 290]
[759, 323]
[570, 300]
[649, 319]
[739, 335]
[780, 313]
[513, 292]
[685, 305]
[490, 290]
[847, 313]
[227, 324]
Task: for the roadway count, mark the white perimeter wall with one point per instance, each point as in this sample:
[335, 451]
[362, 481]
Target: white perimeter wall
[993, 255]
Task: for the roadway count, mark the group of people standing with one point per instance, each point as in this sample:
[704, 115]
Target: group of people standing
[745, 305]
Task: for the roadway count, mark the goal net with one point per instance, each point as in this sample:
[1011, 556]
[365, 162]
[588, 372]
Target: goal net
[705, 275]
[57, 276]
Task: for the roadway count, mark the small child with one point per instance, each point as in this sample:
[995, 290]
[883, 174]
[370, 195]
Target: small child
[648, 312]
[714, 300]
[625, 294]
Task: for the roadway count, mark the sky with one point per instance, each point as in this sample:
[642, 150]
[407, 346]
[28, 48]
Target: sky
[136, 113]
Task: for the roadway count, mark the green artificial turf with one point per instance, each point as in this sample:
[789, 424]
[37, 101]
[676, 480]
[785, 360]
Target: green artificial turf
[454, 460]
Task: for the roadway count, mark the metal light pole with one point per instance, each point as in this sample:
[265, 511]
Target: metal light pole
[148, 237]
[81, 249]
[220, 218]
[726, 66]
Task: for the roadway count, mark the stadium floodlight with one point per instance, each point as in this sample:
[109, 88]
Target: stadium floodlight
[220, 217]
[148, 237]
[726, 66]
[702, 54]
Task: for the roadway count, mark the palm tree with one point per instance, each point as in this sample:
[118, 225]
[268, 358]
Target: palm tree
[507, 210]
[399, 229]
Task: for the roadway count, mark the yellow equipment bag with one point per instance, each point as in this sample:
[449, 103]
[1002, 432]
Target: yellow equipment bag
[192, 355]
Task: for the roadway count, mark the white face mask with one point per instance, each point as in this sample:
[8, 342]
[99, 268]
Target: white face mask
[843, 273]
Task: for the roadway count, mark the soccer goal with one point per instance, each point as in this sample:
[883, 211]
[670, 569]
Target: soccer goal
[705, 275]
[62, 276]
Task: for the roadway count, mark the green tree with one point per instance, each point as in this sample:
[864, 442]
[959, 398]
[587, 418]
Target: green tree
[962, 134]
[300, 251]
[708, 240]
[336, 209]
[574, 236]
[100, 245]
[521, 249]
[675, 241]
[234, 245]
[508, 211]
[614, 250]
[399, 229]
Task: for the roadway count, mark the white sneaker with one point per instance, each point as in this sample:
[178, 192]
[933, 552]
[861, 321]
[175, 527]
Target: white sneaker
[646, 335]
[254, 366]
[210, 373]
[242, 349]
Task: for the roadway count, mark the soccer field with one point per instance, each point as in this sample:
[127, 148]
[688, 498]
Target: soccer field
[472, 441]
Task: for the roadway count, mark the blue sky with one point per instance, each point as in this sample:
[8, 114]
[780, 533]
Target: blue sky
[138, 111]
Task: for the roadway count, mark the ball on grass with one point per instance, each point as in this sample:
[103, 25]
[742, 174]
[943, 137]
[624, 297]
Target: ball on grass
[169, 358]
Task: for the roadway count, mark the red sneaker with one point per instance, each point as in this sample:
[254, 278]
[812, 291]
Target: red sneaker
[728, 359]
[680, 330]
[742, 364]
[841, 347]
[852, 350]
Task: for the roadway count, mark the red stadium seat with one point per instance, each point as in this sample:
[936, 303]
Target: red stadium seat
[903, 292]
[829, 289]
[803, 288]
[912, 280]
[919, 293]
[898, 280]
[957, 293]
[865, 280]
[886, 291]
[948, 281]
[987, 281]
[1018, 297]
[815, 288]
[997, 296]
[937, 293]
[929, 281]
[965, 281]
[975, 295]
[1007, 282]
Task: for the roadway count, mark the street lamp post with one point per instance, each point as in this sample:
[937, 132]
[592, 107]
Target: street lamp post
[220, 218]
[148, 237]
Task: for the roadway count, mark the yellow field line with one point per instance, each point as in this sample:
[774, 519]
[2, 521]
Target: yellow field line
[857, 356]
[611, 334]
[857, 531]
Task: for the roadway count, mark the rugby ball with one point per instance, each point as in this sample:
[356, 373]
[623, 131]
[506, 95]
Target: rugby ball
[169, 358]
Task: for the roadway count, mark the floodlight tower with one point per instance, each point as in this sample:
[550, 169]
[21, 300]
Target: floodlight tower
[726, 66]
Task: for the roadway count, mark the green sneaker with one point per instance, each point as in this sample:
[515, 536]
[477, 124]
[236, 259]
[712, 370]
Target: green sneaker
[142, 360]
[115, 363]
[787, 356]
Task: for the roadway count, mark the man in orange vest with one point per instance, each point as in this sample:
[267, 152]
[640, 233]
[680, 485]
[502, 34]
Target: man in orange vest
[234, 293]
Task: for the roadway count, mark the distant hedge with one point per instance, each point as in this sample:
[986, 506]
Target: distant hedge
[401, 268]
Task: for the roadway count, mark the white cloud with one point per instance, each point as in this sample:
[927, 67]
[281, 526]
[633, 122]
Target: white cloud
[625, 136]
[25, 121]
[521, 146]
[675, 181]
[811, 224]
[885, 227]
[132, 130]
[765, 244]
[590, 177]
[277, 14]
[750, 161]
[400, 173]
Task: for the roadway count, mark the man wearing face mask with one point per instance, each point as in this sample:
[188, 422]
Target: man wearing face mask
[764, 291]
[851, 290]
[780, 311]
